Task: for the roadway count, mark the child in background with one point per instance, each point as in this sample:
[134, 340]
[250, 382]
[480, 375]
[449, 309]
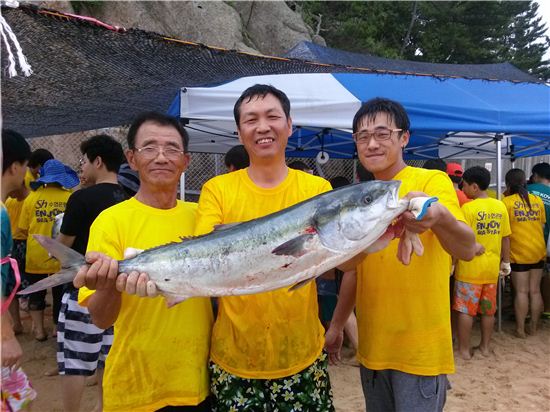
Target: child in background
[528, 250]
[476, 281]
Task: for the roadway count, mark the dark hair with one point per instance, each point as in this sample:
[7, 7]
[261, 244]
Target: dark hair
[105, 147]
[39, 157]
[237, 157]
[435, 164]
[160, 119]
[542, 170]
[339, 181]
[377, 105]
[261, 90]
[14, 149]
[515, 181]
[363, 174]
[478, 175]
[299, 165]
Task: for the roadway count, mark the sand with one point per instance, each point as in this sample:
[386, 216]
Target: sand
[516, 377]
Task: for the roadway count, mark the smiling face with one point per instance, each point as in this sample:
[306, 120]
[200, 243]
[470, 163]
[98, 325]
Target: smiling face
[160, 171]
[382, 158]
[264, 128]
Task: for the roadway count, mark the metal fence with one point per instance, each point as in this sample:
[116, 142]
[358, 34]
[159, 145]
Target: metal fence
[204, 166]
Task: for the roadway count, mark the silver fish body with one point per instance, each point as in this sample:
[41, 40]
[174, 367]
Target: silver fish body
[279, 250]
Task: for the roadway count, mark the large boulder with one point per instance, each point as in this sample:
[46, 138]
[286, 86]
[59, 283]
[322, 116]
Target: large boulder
[211, 23]
[272, 26]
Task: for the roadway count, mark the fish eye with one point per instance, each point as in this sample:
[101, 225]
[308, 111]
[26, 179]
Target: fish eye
[367, 199]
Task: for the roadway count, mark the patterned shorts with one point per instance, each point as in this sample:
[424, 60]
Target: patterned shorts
[82, 347]
[17, 392]
[308, 390]
[471, 299]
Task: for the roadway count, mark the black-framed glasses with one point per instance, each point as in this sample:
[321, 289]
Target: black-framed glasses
[380, 134]
[151, 152]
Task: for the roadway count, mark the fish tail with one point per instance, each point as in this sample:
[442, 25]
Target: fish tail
[70, 261]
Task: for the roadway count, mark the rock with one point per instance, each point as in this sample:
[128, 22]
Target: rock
[62, 6]
[272, 25]
[211, 23]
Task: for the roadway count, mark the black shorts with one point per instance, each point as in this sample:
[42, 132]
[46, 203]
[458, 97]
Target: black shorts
[526, 267]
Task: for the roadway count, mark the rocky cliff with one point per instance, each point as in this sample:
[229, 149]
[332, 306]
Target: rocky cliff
[266, 27]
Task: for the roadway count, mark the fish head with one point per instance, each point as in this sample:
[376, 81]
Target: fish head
[359, 214]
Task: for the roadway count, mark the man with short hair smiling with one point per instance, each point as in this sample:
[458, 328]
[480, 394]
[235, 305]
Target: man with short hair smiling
[266, 348]
[403, 312]
[159, 356]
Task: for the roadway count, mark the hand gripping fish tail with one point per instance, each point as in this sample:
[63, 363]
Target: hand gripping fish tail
[69, 259]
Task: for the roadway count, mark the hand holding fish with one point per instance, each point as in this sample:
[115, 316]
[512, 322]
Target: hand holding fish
[100, 273]
[429, 218]
[136, 283]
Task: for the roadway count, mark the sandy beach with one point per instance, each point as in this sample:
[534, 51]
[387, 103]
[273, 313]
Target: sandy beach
[516, 377]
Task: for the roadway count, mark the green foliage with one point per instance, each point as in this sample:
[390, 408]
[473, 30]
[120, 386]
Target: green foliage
[435, 31]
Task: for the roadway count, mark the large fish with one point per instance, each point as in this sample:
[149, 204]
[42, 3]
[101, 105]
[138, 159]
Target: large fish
[287, 248]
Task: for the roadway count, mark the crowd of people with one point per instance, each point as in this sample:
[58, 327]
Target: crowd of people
[267, 351]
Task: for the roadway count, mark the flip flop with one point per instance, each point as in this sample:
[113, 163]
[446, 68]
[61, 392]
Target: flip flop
[41, 338]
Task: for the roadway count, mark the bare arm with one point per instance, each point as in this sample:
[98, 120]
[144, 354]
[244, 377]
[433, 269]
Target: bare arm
[334, 336]
[505, 251]
[456, 237]
[65, 239]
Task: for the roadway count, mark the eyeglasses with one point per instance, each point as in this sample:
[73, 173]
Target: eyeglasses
[380, 134]
[81, 161]
[152, 152]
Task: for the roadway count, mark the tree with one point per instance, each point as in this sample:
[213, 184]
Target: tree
[466, 32]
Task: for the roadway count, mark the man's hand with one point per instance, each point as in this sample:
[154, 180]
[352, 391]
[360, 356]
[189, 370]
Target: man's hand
[135, 283]
[334, 338]
[101, 274]
[480, 249]
[430, 218]
[11, 352]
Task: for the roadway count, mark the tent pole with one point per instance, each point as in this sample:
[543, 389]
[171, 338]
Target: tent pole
[500, 286]
[182, 186]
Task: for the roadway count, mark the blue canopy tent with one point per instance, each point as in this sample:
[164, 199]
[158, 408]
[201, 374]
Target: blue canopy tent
[450, 118]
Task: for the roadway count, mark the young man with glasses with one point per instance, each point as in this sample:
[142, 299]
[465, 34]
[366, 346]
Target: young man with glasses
[159, 356]
[403, 312]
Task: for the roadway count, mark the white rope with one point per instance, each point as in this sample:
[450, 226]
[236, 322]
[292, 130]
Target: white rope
[5, 31]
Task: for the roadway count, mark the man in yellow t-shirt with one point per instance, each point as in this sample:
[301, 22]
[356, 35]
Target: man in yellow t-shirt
[159, 355]
[476, 281]
[266, 348]
[14, 205]
[42, 205]
[403, 312]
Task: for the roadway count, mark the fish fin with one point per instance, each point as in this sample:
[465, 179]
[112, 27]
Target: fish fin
[294, 247]
[226, 226]
[68, 257]
[172, 300]
[60, 278]
[300, 284]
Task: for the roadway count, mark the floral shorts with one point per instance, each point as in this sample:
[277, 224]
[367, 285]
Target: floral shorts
[308, 390]
[17, 392]
[471, 299]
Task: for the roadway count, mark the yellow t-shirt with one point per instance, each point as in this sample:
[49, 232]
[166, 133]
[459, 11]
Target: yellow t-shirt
[403, 312]
[15, 206]
[489, 220]
[37, 217]
[527, 239]
[159, 355]
[273, 334]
